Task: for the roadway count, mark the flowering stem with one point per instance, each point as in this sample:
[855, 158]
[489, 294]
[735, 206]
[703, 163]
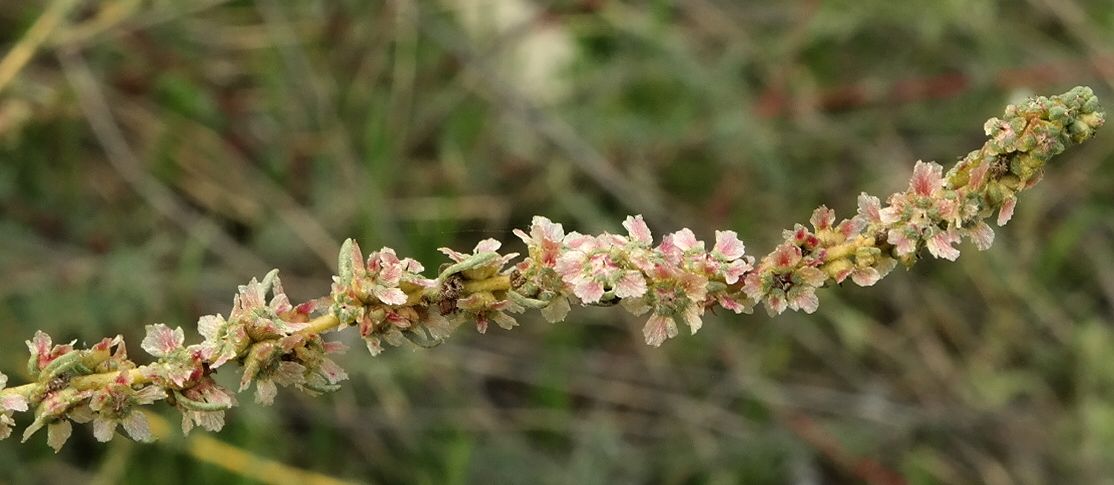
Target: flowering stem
[388, 298]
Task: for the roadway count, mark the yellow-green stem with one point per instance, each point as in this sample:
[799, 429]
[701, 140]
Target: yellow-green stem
[495, 283]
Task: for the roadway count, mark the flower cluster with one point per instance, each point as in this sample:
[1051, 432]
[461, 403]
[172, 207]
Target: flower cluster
[675, 282]
[267, 337]
[671, 281]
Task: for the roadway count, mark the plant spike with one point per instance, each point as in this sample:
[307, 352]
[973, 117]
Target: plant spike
[389, 299]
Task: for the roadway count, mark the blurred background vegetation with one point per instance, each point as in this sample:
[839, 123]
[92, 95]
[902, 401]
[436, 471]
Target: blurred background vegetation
[154, 154]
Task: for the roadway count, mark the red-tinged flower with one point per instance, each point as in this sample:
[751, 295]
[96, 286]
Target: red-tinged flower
[43, 352]
[381, 280]
[117, 404]
[177, 365]
[53, 413]
[735, 301]
[870, 210]
[593, 266]
[727, 260]
[802, 294]
[484, 307]
[822, 218]
[928, 179]
[675, 293]
[204, 405]
[638, 231]
[904, 240]
[265, 367]
[940, 244]
[544, 241]
[252, 319]
[161, 341]
[9, 403]
[785, 280]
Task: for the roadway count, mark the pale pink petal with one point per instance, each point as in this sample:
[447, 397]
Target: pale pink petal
[786, 256]
[488, 246]
[454, 255]
[982, 235]
[588, 290]
[734, 270]
[1006, 212]
[332, 372]
[659, 328]
[390, 296]
[638, 230]
[803, 298]
[822, 218]
[978, 175]
[775, 302]
[940, 245]
[630, 285]
[39, 345]
[13, 402]
[522, 235]
[543, 229]
[728, 246]
[685, 240]
[865, 276]
[889, 215]
[870, 208]
[903, 244]
[927, 178]
[209, 325]
[161, 340]
[731, 303]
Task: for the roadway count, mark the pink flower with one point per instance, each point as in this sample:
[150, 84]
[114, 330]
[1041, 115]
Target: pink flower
[544, 241]
[593, 266]
[177, 365]
[822, 218]
[161, 341]
[784, 280]
[865, 276]
[870, 209]
[638, 231]
[251, 320]
[43, 352]
[728, 246]
[940, 245]
[928, 179]
[203, 405]
[904, 240]
[484, 308]
[116, 404]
